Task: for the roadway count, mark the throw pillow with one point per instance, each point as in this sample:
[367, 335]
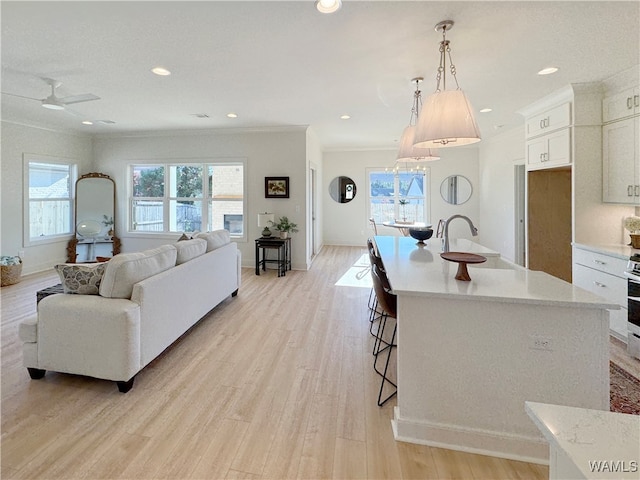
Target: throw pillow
[183, 237]
[215, 239]
[81, 279]
[190, 249]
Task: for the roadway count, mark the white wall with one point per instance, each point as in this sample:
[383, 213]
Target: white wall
[17, 140]
[314, 195]
[348, 223]
[274, 153]
[498, 157]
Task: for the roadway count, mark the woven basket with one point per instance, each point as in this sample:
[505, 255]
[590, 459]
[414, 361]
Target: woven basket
[10, 274]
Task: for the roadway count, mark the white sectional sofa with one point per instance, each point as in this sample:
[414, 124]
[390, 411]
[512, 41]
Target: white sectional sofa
[146, 301]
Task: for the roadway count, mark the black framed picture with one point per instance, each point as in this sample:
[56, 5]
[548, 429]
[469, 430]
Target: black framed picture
[276, 187]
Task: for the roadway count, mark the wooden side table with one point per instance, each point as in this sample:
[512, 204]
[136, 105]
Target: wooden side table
[282, 246]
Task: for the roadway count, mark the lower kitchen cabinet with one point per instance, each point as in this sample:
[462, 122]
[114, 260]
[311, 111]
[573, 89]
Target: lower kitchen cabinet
[602, 274]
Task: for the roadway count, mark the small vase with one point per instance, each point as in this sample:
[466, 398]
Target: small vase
[635, 240]
[284, 235]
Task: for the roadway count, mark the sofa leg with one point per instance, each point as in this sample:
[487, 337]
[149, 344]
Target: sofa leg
[36, 373]
[124, 387]
[234, 294]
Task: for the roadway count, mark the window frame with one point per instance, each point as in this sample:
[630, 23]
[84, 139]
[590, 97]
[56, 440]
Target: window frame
[27, 160]
[206, 199]
[425, 171]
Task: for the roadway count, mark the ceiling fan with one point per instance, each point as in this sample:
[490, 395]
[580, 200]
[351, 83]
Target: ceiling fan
[54, 102]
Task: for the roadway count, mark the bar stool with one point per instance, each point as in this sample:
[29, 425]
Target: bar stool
[388, 304]
[374, 313]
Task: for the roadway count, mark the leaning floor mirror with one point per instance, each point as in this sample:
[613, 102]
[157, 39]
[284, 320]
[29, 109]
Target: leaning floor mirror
[95, 211]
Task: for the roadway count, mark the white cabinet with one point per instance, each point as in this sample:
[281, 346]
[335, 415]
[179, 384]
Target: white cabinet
[553, 149]
[621, 147]
[621, 161]
[621, 105]
[548, 137]
[548, 121]
[603, 275]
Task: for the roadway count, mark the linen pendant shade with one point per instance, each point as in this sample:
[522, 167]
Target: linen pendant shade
[447, 119]
[407, 151]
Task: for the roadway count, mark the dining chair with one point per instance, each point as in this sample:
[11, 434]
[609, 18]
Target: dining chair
[373, 224]
[388, 304]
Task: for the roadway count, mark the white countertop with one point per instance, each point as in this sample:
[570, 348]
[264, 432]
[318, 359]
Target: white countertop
[614, 250]
[418, 270]
[585, 436]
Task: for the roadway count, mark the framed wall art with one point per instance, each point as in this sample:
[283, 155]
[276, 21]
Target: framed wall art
[276, 187]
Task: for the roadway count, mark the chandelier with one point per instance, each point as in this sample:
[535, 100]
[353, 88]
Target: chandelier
[447, 117]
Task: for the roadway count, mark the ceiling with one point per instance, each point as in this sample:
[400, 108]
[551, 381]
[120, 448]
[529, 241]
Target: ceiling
[281, 64]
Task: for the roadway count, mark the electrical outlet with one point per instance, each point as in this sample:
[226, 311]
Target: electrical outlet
[540, 342]
[21, 253]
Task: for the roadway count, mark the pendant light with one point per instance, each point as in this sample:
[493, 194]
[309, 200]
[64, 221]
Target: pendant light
[408, 152]
[447, 117]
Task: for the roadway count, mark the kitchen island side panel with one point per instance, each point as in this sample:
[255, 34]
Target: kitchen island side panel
[466, 367]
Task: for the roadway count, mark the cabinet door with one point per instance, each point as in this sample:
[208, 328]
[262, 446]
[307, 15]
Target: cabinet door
[621, 105]
[620, 162]
[552, 119]
[559, 148]
[536, 151]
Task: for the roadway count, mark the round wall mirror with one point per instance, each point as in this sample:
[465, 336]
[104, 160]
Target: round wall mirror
[456, 189]
[342, 189]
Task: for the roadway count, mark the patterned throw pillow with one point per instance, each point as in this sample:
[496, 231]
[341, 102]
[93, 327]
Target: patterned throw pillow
[81, 279]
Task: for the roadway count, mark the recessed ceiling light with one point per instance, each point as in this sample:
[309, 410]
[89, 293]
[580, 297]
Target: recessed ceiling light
[87, 122]
[232, 115]
[548, 71]
[161, 71]
[345, 117]
[486, 110]
[328, 6]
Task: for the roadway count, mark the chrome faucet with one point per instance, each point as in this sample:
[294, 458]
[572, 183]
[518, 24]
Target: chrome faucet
[445, 234]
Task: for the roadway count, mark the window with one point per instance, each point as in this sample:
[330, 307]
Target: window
[398, 195]
[187, 197]
[48, 198]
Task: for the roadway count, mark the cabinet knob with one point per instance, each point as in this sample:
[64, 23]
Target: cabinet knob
[598, 284]
[599, 262]
[629, 102]
[629, 190]
[636, 191]
[636, 100]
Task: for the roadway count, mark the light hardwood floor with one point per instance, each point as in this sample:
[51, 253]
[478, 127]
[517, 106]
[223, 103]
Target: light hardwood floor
[275, 383]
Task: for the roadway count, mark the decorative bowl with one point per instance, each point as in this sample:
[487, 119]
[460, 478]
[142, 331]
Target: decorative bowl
[421, 233]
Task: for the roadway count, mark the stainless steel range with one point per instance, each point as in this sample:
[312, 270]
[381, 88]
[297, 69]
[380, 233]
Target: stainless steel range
[633, 298]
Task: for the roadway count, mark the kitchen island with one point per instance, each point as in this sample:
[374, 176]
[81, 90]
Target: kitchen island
[471, 353]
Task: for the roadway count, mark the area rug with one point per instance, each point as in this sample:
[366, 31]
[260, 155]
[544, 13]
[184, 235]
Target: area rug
[624, 393]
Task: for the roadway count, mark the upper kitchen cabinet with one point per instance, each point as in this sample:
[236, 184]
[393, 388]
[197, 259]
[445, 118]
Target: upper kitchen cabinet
[621, 139]
[555, 123]
[621, 105]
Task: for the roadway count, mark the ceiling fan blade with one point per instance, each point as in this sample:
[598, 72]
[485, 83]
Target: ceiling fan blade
[87, 97]
[20, 96]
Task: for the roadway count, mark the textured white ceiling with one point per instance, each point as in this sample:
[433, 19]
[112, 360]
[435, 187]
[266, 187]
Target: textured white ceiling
[281, 64]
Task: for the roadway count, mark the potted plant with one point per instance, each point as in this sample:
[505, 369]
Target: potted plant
[284, 226]
[108, 222]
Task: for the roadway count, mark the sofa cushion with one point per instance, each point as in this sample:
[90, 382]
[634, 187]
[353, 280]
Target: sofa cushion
[81, 279]
[124, 270]
[215, 239]
[190, 249]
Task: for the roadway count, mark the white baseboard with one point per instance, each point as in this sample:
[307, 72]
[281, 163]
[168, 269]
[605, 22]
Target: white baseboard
[463, 439]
